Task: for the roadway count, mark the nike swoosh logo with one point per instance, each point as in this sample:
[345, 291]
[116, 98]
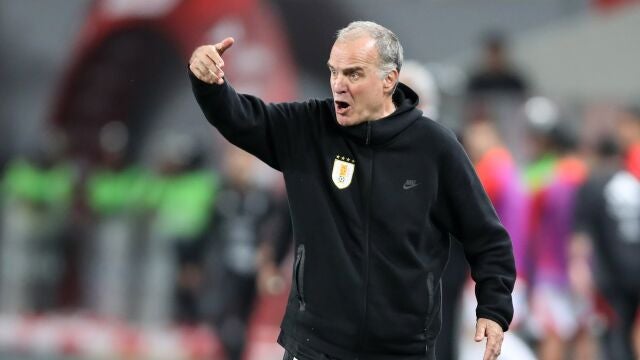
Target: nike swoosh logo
[409, 186]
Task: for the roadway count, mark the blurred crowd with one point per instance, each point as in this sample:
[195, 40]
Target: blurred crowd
[564, 180]
[178, 244]
[189, 243]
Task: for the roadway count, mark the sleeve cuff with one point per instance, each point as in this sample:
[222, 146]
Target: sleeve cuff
[499, 319]
[201, 86]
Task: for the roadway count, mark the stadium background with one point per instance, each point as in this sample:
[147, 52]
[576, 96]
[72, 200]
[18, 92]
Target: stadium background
[70, 67]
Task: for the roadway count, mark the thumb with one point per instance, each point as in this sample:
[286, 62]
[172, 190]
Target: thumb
[224, 45]
[480, 331]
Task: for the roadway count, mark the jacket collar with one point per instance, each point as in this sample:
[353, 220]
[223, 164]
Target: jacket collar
[381, 131]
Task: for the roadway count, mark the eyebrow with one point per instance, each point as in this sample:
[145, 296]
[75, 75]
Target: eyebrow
[348, 69]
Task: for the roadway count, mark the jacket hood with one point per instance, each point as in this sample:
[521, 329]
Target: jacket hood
[381, 131]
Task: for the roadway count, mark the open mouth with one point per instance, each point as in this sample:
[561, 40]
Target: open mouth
[342, 107]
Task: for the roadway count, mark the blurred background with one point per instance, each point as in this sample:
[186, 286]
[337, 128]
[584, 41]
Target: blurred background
[131, 230]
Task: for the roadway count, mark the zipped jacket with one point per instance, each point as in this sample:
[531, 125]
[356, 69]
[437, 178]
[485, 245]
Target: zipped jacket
[373, 207]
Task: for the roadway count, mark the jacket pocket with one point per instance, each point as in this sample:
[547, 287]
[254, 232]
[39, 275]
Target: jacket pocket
[298, 276]
[433, 296]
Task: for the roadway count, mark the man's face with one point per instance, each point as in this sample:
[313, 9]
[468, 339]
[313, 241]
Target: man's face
[356, 84]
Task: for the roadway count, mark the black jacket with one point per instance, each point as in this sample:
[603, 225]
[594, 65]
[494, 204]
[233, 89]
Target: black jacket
[369, 256]
[607, 210]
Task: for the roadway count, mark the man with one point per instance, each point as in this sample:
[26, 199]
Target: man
[496, 76]
[608, 216]
[375, 189]
[559, 315]
[421, 80]
[498, 173]
[241, 216]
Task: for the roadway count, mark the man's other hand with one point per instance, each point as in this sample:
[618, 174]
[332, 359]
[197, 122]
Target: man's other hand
[206, 62]
[494, 334]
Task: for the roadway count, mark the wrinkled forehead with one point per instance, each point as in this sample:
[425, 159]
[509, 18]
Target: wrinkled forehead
[359, 50]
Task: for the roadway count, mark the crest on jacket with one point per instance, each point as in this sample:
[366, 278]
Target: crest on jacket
[343, 169]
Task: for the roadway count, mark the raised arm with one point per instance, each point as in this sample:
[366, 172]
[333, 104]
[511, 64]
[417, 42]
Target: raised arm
[272, 132]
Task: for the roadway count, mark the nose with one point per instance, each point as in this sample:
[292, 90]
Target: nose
[338, 85]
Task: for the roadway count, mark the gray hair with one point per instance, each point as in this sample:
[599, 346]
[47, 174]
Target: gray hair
[390, 50]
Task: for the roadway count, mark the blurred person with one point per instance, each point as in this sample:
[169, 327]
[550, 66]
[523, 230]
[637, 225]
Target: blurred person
[273, 272]
[417, 77]
[237, 250]
[271, 254]
[608, 214]
[495, 75]
[375, 190]
[496, 86]
[115, 191]
[37, 196]
[605, 160]
[560, 316]
[501, 179]
[180, 198]
[542, 121]
[542, 118]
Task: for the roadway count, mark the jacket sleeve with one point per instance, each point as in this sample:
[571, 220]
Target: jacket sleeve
[264, 130]
[465, 211]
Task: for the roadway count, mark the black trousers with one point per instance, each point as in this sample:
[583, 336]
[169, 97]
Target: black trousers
[617, 341]
[230, 310]
[307, 354]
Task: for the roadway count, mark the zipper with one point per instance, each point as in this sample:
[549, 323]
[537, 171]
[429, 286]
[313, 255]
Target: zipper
[299, 276]
[431, 293]
[368, 139]
[367, 224]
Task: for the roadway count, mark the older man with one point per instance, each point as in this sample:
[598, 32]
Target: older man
[375, 191]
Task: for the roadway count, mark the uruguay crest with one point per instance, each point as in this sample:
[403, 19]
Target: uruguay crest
[343, 168]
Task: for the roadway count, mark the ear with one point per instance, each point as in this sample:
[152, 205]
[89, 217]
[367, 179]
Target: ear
[389, 81]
